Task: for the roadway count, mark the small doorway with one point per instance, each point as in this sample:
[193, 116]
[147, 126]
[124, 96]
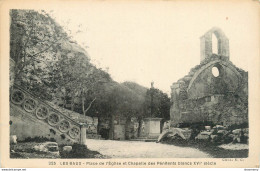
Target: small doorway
[104, 133]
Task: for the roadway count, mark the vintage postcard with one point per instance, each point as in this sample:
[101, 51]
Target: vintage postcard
[121, 83]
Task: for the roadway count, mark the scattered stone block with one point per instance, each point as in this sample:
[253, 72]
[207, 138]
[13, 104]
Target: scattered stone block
[67, 148]
[205, 135]
[223, 132]
[236, 131]
[213, 137]
[220, 127]
[172, 132]
[207, 127]
[13, 139]
[40, 147]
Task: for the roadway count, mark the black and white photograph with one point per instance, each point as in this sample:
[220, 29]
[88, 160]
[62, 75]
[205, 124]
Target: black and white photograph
[132, 80]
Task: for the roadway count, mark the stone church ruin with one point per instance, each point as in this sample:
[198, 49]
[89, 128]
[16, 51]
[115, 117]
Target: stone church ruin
[215, 91]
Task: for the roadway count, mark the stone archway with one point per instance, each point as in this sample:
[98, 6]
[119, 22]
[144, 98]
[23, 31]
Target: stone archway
[206, 43]
[227, 73]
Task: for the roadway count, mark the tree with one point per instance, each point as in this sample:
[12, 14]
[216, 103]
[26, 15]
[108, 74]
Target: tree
[34, 37]
[76, 77]
[48, 61]
[158, 106]
[53, 66]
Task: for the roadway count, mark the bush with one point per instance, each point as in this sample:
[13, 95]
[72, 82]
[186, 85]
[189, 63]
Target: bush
[38, 139]
[238, 126]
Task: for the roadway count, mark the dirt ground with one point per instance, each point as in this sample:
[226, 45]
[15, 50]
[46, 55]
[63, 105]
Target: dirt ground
[214, 150]
[139, 149]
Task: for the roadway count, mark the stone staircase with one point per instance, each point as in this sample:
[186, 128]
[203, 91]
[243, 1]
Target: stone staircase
[39, 112]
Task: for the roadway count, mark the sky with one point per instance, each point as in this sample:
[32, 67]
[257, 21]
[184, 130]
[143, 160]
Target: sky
[156, 41]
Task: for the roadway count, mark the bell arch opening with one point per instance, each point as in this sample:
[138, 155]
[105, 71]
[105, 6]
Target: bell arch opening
[215, 44]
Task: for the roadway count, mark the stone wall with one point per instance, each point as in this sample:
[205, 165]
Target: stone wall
[123, 128]
[202, 95]
[206, 43]
[119, 132]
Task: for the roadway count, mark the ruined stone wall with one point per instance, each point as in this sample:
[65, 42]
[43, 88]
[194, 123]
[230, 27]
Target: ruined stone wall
[124, 128]
[206, 44]
[205, 83]
[203, 95]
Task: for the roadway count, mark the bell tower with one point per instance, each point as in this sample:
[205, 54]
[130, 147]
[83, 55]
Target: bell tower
[206, 44]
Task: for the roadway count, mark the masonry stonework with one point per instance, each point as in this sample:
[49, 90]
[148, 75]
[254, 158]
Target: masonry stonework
[205, 96]
[206, 43]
